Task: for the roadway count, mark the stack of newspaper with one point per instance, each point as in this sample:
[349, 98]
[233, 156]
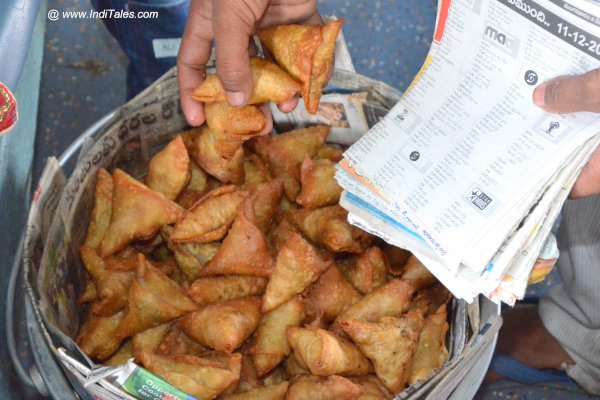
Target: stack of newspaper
[465, 171]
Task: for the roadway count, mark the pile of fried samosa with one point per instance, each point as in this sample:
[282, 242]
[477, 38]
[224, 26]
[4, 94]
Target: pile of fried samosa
[232, 272]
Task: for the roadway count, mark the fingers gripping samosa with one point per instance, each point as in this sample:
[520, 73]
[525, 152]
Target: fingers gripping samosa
[153, 300]
[306, 53]
[223, 326]
[298, 266]
[431, 350]
[202, 378]
[244, 250]
[138, 212]
[325, 354]
[270, 344]
[310, 387]
[169, 169]
[389, 343]
[271, 83]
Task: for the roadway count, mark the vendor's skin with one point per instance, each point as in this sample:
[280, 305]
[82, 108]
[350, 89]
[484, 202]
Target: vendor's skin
[231, 23]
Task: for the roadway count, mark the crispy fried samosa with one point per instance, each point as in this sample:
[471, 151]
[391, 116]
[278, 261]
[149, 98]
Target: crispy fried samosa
[176, 343]
[266, 198]
[121, 356]
[330, 295]
[270, 344]
[417, 274]
[306, 53]
[272, 392]
[244, 250]
[319, 187]
[202, 378]
[282, 232]
[112, 284]
[431, 352]
[211, 289]
[210, 217]
[293, 368]
[169, 169]
[201, 144]
[148, 340]
[191, 257]
[153, 300]
[271, 83]
[248, 377]
[137, 213]
[310, 387]
[431, 299]
[101, 213]
[255, 170]
[391, 299]
[329, 227]
[389, 343]
[223, 326]
[97, 336]
[330, 153]
[325, 354]
[298, 266]
[284, 154]
[372, 387]
[368, 271]
[89, 294]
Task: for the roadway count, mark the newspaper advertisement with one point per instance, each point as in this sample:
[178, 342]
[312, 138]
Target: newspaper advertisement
[465, 170]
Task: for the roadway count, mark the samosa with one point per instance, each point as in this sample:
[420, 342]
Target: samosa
[319, 187]
[244, 250]
[368, 271]
[212, 289]
[306, 53]
[266, 198]
[153, 300]
[298, 266]
[97, 336]
[271, 83]
[417, 274]
[325, 354]
[148, 340]
[310, 387]
[255, 171]
[272, 392]
[270, 345]
[138, 212]
[102, 211]
[223, 326]
[175, 343]
[210, 217]
[202, 378]
[330, 295]
[169, 170]
[390, 343]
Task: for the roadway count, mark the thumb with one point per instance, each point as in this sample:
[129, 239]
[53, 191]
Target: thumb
[233, 27]
[568, 94]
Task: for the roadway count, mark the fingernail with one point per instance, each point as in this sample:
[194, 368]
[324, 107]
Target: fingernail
[236, 99]
[539, 95]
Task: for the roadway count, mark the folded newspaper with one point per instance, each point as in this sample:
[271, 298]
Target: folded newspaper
[465, 171]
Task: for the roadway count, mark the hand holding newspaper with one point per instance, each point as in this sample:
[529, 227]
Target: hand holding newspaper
[465, 171]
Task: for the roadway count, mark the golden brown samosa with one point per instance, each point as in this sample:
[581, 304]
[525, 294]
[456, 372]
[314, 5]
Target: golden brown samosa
[417, 274]
[266, 197]
[211, 289]
[431, 352]
[89, 293]
[330, 153]
[284, 154]
[169, 170]
[121, 356]
[298, 265]
[202, 378]
[175, 343]
[192, 257]
[431, 299]
[97, 337]
[390, 343]
[101, 213]
[330, 295]
[310, 387]
[255, 171]
[282, 232]
[318, 185]
[293, 368]
[210, 217]
[271, 83]
[328, 226]
[223, 326]
[325, 354]
[391, 299]
[270, 345]
[372, 387]
[244, 250]
[272, 392]
[201, 144]
[368, 271]
[153, 300]
[137, 213]
[148, 340]
[112, 284]
[306, 53]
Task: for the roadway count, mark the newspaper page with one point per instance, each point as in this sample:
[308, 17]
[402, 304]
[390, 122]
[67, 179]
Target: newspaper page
[454, 170]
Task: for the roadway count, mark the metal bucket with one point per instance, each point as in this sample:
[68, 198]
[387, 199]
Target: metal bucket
[48, 377]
